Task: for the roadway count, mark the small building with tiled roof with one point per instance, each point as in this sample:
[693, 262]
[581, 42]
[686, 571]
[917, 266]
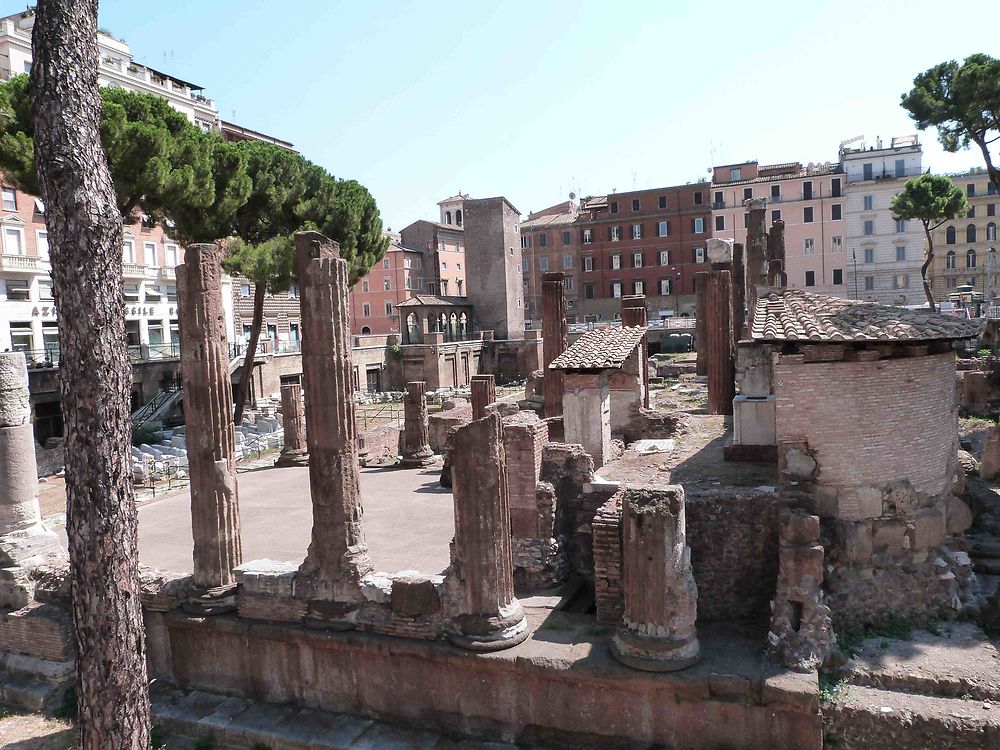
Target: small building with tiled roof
[600, 349]
[424, 314]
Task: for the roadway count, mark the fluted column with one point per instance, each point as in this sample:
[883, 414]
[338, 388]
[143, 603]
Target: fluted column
[18, 472]
[337, 552]
[701, 323]
[720, 366]
[554, 335]
[756, 250]
[634, 315]
[491, 617]
[484, 393]
[657, 630]
[293, 424]
[209, 432]
[415, 448]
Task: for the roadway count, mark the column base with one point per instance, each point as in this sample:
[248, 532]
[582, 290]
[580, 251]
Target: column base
[206, 602]
[419, 460]
[485, 633]
[292, 458]
[654, 653]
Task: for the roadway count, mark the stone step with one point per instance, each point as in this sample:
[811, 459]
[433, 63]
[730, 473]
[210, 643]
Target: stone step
[28, 694]
[186, 717]
[861, 718]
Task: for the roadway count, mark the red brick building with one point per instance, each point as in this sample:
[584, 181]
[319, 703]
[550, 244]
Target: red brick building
[395, 278]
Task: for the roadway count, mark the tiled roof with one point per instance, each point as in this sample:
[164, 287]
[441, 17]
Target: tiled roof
[549, 220]
[600, 349]
[817, 171]
[432, 300]
[795, 315]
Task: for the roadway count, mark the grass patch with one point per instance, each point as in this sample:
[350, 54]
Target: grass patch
[977, 422]
[894, 628]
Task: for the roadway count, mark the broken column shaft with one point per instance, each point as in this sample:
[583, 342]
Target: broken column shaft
[209, 432]
[719, 353]
[18, 478]
[491, 617]
[634, 315]
[554, 335]
[700, 323]
[414, 440]
[337, 552]
[293, 423]
[483, 392]
[657, 630]
[756, 249]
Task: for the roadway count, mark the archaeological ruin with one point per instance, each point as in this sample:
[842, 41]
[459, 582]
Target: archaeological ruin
[628, 568]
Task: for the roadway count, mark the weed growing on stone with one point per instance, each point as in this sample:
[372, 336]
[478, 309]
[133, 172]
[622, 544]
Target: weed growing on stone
[976, 422]
[966, 696]
[832, 689]
[933, 627]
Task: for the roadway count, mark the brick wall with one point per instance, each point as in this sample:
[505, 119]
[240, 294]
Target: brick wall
[524, 436]
[870, 423]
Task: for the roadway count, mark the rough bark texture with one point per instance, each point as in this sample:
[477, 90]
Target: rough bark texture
[85, 240]
[484, 393]
[246, 370]
[414, 440]
[554, 339]
[338, 551]
[633, 315]
[208, 404]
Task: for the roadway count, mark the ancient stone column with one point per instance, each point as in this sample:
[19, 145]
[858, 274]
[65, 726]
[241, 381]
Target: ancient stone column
[338, 556]
[719, 351]
[18, 473]
[491, 617]
[414, 442]
[484, 393]
[991, 455]
[633, 315]
[700, 323]
[739, 294]
[657, 630]
[756, 250]
[554, 339]
[211, 440]
[293, 423]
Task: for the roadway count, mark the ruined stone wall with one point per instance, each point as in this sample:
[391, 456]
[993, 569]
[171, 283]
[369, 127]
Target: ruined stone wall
[870, 423]
[512, 359]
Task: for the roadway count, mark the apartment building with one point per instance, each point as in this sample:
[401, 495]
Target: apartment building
[808, 199]
[443, 247]
[396, 278]
[883, 255]
[965, 249]
[551, 241]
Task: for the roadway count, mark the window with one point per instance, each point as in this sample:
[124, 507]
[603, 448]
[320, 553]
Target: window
[388, 308]
[970, 233]
[901, 281]
[838, 276]
[526, 285]
[637, 231]
[458, 216]
[663, 229]
[152, 294]
[543, 263]
[869, 228]
[17, 289]
[293, 291]
[12, 244]
[991, 232]
[900, 226]
[835, 187]
[128, 252]
[719, 203]
[616, 289]
[775, 215]
[171, 255]
[635, 204]
[869, 202]
[991, 189]
[970, 190]
[543, 240]
[366, 310]
[588, 263]
[951, 261]
[664, 257]
[866, 171]
[747, 194]
[664, 287]
[567, 261]
[614, 207]
[588, 291]
[698, 198]
[447, 217]
[586, 236]
[869, 255]
[807, 190]
[525, 241]
[699, 255]
[244, 291]
[364, 285]
[810, 246]
[810, 278]
[952, 282]
[663, 201]
[524, 265]
[636, 260]
[970, 258]
[698, 226]
[9, 199]
[385, 263]
[614, 233]
[20, 336]
[566, 237]
[149, 253]
[807, 215]
[638, 287]
[836, 212]
[131, 292]
[45, 289]
[949, 235]
[971, 213]
[720, 223]
[386, 284]
[616, 262]
[735, 174]
[991, 209]
[407, 263]
[776, 192]
[837, 244]
[900, 253]
[900, 168]
[869, 283]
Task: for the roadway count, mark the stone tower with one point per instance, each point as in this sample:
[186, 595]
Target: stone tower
[493, 266]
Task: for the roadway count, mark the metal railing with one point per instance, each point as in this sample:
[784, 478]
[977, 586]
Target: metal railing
[40, 359]
[657, 324]
[143, 415]
[147, 352]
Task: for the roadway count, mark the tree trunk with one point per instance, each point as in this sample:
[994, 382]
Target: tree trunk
[259, 290]
[85, 239]
[992, 172]
[926, 265]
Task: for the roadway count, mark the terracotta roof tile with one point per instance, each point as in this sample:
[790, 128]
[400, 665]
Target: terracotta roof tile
[796, 315]
[432, 300]
[600, 349]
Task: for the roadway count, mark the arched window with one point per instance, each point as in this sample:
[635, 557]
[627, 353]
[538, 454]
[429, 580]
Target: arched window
[950, 235]
[458, 216]
[991, 232]
[951, 261]
[447, 217]
[970, 258]
[970, 233]
[365, 330]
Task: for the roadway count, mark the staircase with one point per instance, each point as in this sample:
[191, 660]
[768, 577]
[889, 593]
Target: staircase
[159, 406]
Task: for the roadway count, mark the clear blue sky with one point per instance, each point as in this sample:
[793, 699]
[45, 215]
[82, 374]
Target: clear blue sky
[533, 99]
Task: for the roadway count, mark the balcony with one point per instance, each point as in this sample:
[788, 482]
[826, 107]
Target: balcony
[168, 274]
[137, 271]
[24, 263]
